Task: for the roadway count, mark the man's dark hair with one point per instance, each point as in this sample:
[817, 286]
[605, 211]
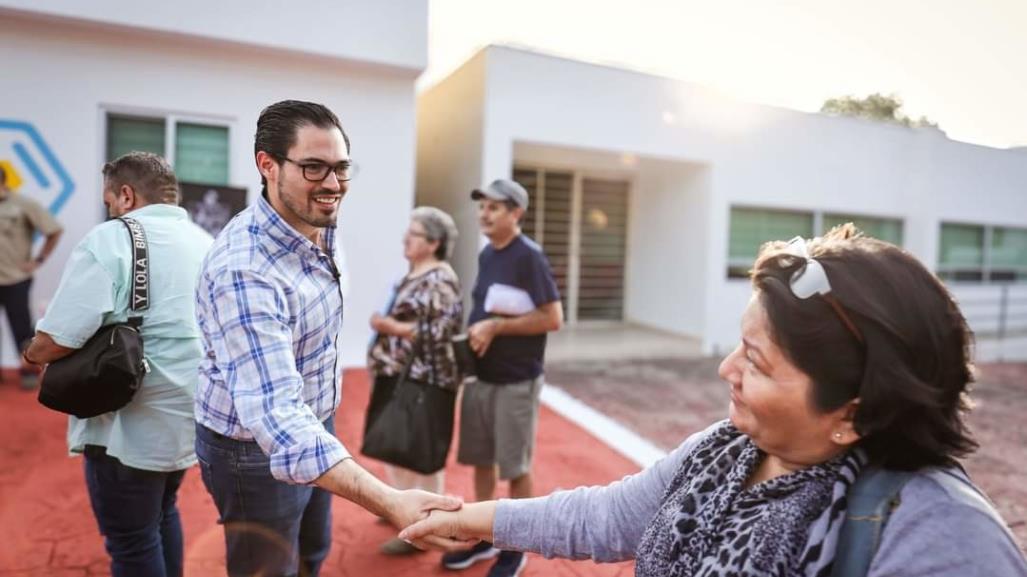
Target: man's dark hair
[3, 175]
[278, 124]
[912, 369]
[149, 175]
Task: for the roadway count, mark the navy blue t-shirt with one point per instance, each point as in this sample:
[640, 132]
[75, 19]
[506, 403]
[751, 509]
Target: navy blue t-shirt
[521, 265]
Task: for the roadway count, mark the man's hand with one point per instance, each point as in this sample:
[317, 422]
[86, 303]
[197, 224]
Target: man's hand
[454, 530]
[29, 266]
[481, 334]
[43, 350]
[408, 507]
[349, 480]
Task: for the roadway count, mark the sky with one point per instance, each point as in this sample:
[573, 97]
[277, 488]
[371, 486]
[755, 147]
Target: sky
[961, 63]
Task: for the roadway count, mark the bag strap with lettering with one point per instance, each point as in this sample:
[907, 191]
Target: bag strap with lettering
[139, 298]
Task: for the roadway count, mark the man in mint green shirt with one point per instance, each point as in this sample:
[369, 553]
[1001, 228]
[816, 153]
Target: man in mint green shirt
[135, 457]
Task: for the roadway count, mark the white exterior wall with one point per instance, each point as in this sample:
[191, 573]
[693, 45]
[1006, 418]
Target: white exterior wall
[449, 158]
[385, 32]
[667, 256]
[750, 155]
[62, 77]
[811, 162]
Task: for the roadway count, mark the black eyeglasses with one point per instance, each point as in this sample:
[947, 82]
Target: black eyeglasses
[315, 171]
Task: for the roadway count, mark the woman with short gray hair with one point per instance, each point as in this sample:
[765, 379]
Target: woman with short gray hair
[415, 335]
[438, 227]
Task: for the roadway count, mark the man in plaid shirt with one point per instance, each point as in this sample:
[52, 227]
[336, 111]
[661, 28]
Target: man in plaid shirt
[269, 307]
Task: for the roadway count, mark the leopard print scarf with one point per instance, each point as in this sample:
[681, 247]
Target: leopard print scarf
[709, 524]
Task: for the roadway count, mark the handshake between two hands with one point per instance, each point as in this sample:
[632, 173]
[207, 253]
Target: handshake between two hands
[430, 521]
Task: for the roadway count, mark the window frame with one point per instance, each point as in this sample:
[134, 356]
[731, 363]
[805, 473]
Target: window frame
[735, 263]
[987, 267]
[171, 120]
[818, 228]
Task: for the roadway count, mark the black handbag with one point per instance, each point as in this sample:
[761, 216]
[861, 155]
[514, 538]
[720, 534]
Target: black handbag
[409, 422]
[105, 373]
[466, 359]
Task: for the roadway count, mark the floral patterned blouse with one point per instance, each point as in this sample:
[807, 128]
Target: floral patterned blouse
[432, 300]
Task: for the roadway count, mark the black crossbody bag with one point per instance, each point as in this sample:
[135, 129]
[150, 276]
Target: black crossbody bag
[106, 372]
[410, 424]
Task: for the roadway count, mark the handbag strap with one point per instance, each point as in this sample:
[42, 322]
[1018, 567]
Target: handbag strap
[431, 341]
[423, 328]
[139, 298]
[410, 361]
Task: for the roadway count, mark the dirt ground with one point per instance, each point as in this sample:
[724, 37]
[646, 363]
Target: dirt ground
[665, 400]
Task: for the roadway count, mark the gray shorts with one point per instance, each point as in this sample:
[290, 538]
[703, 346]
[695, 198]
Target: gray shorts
[498, 424]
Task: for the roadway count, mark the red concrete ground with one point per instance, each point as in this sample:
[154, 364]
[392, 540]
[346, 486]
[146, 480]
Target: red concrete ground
[47, 528]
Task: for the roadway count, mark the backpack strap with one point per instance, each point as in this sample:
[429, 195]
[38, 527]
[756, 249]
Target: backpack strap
[957, 484]
[139, 298]
[870, 501]
[873, 498]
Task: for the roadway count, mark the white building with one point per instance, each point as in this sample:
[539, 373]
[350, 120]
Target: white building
[85, 81]
[651, 195]
[647, 190]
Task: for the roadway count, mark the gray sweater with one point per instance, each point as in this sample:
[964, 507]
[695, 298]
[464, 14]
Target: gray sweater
[931, 533]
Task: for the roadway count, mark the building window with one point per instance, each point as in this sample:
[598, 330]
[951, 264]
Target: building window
[201, 153]
[1008, 255]
[197, 151]
[978, 253]
[886, 229]
[125, 134]
[961, 255]
[751, 227]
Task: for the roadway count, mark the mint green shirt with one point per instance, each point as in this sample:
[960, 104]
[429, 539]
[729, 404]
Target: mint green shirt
[155, 431]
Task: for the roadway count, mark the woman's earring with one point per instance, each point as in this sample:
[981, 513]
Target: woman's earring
[838, 436]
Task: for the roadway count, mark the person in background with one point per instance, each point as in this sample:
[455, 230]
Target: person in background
[852, 355]
[426, 299]
[20, 219]
[135, 457]
[516, 303]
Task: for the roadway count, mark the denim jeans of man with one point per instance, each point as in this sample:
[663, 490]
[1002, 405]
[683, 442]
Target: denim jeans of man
[272, 528]
[137, 514]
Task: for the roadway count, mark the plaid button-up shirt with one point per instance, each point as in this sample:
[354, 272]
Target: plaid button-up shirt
[269, 308]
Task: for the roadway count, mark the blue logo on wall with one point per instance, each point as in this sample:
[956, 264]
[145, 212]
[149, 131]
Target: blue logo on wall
[31, 167]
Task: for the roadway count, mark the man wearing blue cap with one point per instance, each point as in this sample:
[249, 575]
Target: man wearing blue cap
[516, 303]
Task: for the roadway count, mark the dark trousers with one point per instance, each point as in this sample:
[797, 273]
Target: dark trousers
[137, 515]
[271, 528]
[14, 299]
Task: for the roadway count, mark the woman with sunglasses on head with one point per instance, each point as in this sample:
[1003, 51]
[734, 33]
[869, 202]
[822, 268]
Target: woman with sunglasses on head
[854, 358]
[414, 337]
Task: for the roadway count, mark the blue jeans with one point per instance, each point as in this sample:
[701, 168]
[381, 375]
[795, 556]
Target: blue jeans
[137, 515]
[271, 528]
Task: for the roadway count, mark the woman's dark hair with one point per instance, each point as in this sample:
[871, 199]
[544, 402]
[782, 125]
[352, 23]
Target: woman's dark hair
[911, 371]
[278, 124]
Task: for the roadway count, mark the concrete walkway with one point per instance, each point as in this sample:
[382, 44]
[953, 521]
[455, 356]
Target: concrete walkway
[47, 528]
